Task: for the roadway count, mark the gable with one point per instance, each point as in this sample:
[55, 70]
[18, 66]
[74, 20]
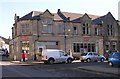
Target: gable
[85, 17]
[109, 18]
[47, 14]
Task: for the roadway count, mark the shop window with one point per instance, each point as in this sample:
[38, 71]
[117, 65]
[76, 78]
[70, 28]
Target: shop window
[25, 46]
[86, 47]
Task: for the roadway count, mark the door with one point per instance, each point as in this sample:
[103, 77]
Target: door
[96, 56]
[62, 56]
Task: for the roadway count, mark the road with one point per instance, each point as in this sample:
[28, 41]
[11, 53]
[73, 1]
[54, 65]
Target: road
[59, 70]
[55, 70]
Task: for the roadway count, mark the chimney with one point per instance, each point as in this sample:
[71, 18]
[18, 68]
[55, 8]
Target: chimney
[17, 17]
[68, 18]
[58, 10]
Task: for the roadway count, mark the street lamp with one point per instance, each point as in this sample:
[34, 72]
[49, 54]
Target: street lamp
[66, 31]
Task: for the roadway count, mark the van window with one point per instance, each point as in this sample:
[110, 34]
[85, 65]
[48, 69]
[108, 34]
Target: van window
[61, 53]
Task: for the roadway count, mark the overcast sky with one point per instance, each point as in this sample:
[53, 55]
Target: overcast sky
[21, 7]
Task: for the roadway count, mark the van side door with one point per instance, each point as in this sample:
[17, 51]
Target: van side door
[62, 56]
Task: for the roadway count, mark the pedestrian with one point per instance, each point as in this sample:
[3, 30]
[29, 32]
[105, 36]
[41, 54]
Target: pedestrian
[23, 55]
[6, 52]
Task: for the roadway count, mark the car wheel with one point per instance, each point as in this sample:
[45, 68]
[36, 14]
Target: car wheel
[88, 60]
[110, 64]
[51, 61]
[69, 60]
[102, 59]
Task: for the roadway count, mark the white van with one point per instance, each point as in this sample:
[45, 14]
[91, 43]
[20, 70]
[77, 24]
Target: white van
[54, 55]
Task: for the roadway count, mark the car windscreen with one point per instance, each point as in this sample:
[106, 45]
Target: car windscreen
[83, 54]
[116, 55]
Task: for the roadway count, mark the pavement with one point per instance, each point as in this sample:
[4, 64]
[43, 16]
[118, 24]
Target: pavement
[93, 68]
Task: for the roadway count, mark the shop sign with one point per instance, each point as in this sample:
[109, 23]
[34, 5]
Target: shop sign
[85, 39]
[24, 38]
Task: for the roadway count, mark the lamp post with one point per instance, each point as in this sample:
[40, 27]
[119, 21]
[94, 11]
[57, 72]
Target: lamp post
[65, 34]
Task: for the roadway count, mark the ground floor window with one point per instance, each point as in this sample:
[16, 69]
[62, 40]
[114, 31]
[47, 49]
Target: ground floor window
[84, 47]
[25, 46]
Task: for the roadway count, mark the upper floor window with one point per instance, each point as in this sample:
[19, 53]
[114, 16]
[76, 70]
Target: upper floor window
[109, 30]
[47, 29]
[86, 30]
[47, 21]
[74, 30]
[47, 26]
[96, 31]
[60, 29]
[25, 28]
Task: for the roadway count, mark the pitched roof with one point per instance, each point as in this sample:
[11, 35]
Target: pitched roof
[32, 15]
[99, 19]
[57, 16]
[5, 40]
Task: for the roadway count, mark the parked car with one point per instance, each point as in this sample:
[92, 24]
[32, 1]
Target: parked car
[114, 59]
[53, 55]
[91, 57]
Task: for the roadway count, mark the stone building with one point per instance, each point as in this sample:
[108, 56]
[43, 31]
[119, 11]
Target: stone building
[73, 32]
[4, 43]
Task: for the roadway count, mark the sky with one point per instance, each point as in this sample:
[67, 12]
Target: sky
[8, 8]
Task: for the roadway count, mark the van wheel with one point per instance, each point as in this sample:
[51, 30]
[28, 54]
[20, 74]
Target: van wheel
[102, 59]
[69, 60]
[88, 60]
[51, 61]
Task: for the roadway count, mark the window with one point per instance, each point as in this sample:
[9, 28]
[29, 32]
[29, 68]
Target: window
[86, 30]
[93, 47]
[75, 47]
[96, 31]
[74, 30]
[116, 55]
[84, 47]
[83, 30]
[95, 54]
[47, 26]
[107, 47]
[114, 45]
[47, 29]
[60, 29]
[110, 30]
[25, 45]
[25, 28]
[89, 47]
[61, 53]
[90, 54]
[78, 47]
